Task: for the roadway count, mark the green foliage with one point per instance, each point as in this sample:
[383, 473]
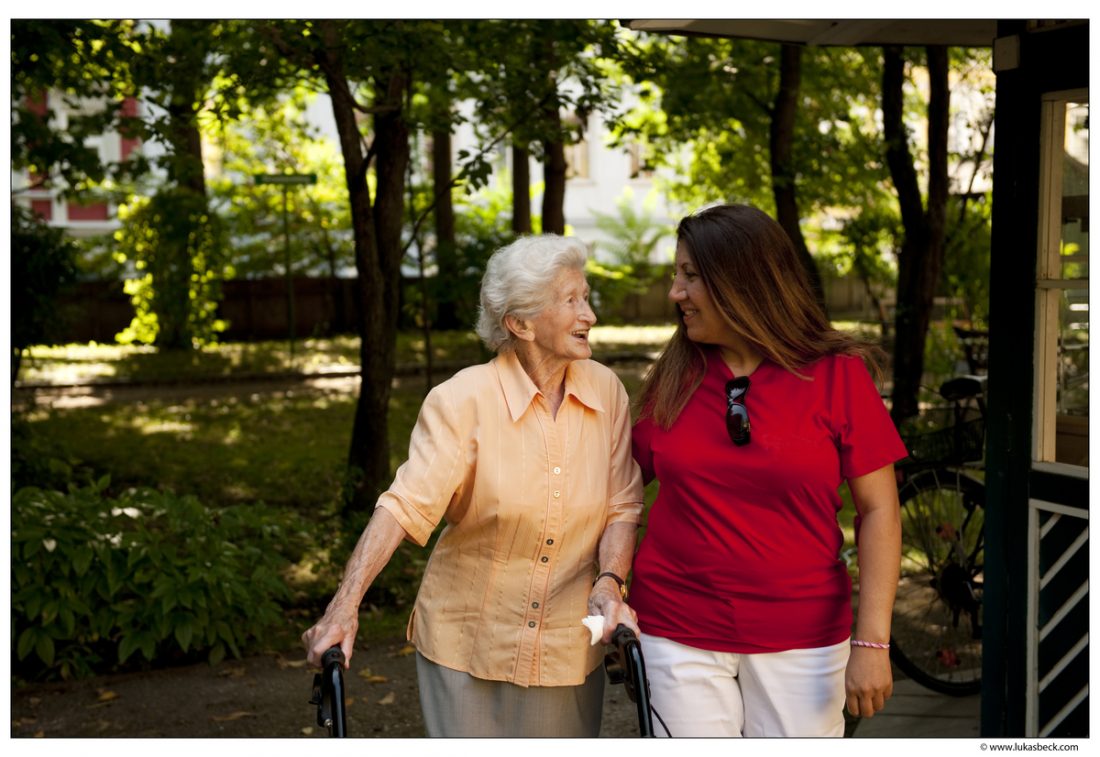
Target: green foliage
[523, 65]
[84, 64]
[942, 357]
[211, 446]
[966, 257]
[275, 138]
[42, 264]
[634, 234]
[864, 248]
[177, 250]
[482, 226]
[631, 269]
[705, 108]
[99, 582]
[35, 461]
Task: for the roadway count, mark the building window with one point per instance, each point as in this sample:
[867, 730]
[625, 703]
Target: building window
[576, 160]
[639, 167]
[576, 154]
[1062, 351]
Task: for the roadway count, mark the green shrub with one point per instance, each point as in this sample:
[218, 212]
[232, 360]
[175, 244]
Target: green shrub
[96, 580]
[35, 461]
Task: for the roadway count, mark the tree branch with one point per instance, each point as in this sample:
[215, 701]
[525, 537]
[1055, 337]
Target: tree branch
[465, 169]
[897, 139]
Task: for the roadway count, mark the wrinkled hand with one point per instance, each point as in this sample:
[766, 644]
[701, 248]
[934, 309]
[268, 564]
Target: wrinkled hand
[868, 681]
[609, 603]
[338, 626]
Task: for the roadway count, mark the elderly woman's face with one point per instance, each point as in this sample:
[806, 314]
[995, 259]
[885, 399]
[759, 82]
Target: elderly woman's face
[561, 329]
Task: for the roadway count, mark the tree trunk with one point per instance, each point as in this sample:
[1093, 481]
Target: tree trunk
[553, 144]
[16, 362]
[920, 260]
[553, 196]
[521, 190]
[784, 181]
[445, 254]
[376, 232]
[553, 169]
[173, 266]
[381, 300]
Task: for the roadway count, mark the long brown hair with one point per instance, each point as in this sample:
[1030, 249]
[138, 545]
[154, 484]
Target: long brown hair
[753, 275]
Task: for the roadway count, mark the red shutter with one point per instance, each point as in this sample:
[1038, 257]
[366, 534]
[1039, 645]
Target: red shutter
[96, 211]
[43, 209]
[128, 144]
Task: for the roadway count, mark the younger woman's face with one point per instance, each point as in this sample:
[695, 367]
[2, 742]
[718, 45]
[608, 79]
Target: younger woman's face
[701, 319]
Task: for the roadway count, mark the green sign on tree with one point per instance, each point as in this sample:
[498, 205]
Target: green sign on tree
[286, 178]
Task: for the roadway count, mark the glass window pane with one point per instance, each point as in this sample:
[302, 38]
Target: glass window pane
[1071, 438]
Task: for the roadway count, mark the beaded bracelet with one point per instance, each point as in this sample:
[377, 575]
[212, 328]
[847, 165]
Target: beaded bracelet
[869, 644]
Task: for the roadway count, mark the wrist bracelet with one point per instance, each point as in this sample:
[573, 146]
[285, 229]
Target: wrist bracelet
[869, 644]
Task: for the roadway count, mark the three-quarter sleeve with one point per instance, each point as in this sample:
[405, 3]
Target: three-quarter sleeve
[424, 485]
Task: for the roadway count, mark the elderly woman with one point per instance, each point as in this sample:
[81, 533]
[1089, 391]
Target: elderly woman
[528, 458]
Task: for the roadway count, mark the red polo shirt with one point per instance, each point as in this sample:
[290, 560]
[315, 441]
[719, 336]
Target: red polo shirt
[742, 546]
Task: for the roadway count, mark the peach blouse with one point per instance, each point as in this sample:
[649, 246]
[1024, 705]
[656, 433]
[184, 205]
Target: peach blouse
[526, 498]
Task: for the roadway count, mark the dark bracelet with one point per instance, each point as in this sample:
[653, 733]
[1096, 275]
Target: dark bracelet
[616, 579]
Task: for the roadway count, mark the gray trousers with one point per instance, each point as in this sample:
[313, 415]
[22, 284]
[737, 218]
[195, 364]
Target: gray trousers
[455, 704]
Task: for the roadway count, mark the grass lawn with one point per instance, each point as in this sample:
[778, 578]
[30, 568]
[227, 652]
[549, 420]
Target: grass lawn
[91, 363]
[283, 446]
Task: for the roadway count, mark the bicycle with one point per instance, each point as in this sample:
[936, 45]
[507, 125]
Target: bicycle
[937, 626]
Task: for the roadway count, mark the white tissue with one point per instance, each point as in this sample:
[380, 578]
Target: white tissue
[594, 624]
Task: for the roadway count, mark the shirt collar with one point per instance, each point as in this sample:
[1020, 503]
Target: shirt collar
[520, 390]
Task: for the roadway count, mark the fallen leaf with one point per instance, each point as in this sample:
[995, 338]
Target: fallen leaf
[232, 716]
[388, 699]
[39, 734]
[289, 663]
[106, 695]
[102, 725]
[377, 679]
[364, 673]
[404, 651]
[307, 731]
[235, 672]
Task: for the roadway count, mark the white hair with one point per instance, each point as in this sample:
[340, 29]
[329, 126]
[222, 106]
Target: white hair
[519, 281]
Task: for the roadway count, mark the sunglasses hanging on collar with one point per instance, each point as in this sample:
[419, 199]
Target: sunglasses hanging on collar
[737, 415]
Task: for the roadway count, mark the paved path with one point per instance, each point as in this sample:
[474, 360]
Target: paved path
[916, 712]
[913, 712]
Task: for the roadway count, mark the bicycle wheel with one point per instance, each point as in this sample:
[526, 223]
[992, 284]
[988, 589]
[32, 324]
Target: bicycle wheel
[937, 628]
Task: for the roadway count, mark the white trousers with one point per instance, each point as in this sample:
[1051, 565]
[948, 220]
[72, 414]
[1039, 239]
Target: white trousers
[697, 692]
